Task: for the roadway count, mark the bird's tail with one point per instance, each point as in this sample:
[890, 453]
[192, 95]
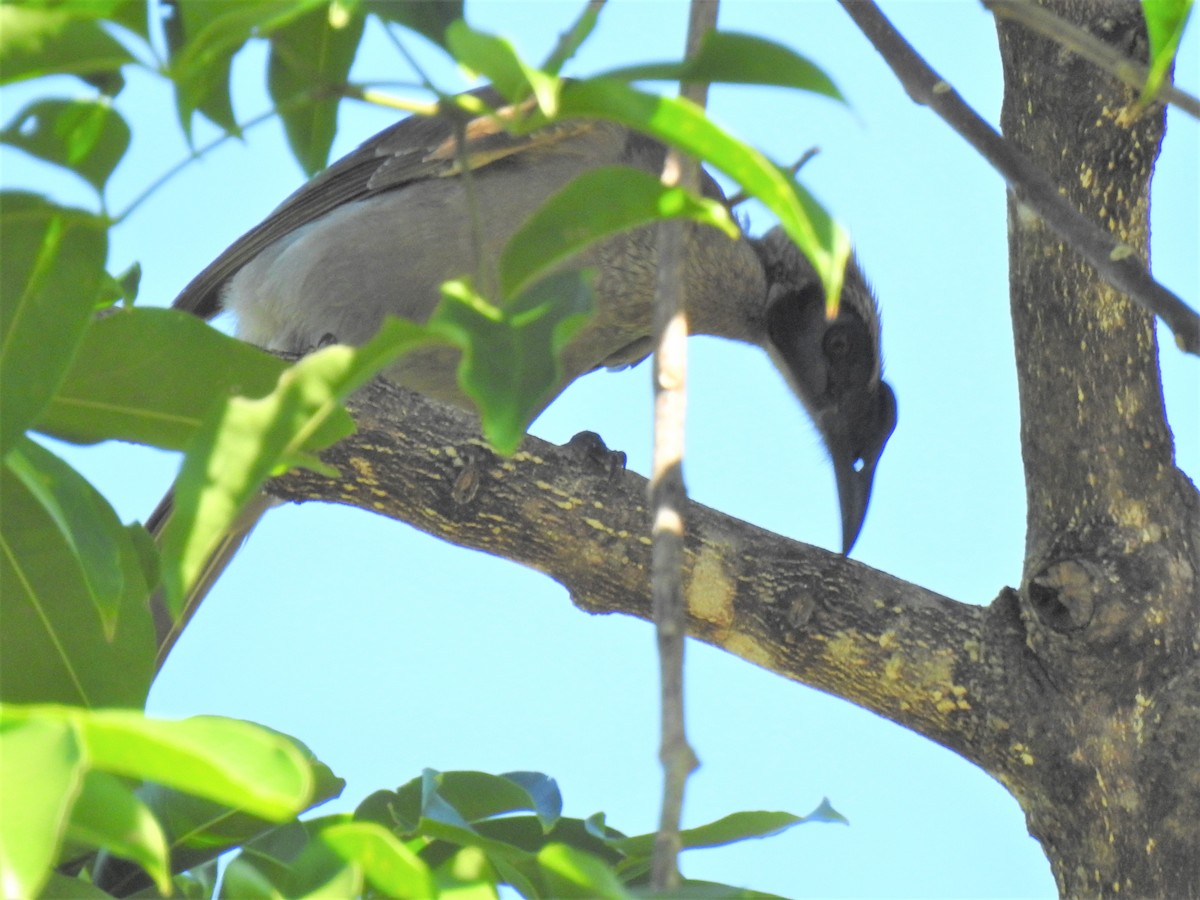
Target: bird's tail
[168, 627]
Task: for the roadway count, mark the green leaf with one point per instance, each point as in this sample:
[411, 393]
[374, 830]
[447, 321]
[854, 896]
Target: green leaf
[42, 767]
[66, 888]
[682, 123]
[732, 58]
[49, 282]
[739, 826]
[429, 18]
[40, 40]
[292, 861]
[88, 137]
[573, 219]
[123, 287]
[543, 794]
[206, 37]
[490, 56]
[476, 796]
[54, 645]
[1165, 21]
[153, 376]
[389, 866]
[85, 521]
[108, 815]
[228, 761]
[310, 59]
[199, 830]
[510, 366]
[575, 873]
[246, 441]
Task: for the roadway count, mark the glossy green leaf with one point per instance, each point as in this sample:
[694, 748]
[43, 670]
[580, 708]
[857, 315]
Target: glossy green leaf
[227, 761]
[88, 137]
[310, 59]
[1165, 21]
[293, 861]
[575, 873]
[42, 766]
[389, 866]
[86, 523]
[735, 827]
[476, 796]
[545, 798]
[49, 282]
[53, 40]
[54, 646]
[108, 815]
[510, 366]
[573, 220]
[429, 18]
[153, 376]
[246, 441]
[732, 58]
[199, 830]
[682, 123]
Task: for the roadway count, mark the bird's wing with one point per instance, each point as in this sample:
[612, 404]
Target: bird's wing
[414, 149]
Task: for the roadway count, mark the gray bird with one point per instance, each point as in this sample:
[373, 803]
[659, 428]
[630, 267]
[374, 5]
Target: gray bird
[378, 232]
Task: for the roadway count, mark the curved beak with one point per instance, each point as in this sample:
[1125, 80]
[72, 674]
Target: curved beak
[855, 434]
[854, 493]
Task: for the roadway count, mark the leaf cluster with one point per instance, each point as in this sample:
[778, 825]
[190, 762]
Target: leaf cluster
[99, 799]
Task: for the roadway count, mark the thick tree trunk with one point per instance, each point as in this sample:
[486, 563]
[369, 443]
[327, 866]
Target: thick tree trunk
[1110, 587]
[1080, 691]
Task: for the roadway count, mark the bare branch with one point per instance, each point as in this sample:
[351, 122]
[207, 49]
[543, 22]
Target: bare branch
[668, 494]
[1116, 262]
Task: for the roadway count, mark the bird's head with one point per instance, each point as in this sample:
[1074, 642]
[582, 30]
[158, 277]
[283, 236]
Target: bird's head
[833, 366]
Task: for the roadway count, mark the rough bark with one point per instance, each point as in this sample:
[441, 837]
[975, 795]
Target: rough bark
[1081, 690]
[1110, 579]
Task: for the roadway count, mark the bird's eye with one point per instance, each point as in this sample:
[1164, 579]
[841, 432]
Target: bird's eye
[837, 343]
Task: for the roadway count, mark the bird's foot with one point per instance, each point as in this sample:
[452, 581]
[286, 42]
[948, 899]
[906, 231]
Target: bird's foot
[590, 448]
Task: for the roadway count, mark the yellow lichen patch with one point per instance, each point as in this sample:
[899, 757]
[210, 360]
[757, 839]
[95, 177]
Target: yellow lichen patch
[1021, 751]
[596, 524]
[748, 649]
[972, 648]
[843, 648]
[711, 591]
[364, 472]
[1131, 514]
[887, 640]
[893, 668]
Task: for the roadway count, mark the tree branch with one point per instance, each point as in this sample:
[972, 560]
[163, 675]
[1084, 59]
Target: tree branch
[1091, 48]
[958, 674]
[1116, 262]
[668, 494]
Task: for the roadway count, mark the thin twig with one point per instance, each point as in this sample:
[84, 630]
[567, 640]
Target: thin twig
[1115, 262]
[1091, 48]
[668, 495]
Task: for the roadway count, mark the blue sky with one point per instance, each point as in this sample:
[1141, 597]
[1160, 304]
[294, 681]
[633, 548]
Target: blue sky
[388, 651]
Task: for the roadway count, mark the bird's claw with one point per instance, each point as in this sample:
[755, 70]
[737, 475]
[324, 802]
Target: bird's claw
[590, 447]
